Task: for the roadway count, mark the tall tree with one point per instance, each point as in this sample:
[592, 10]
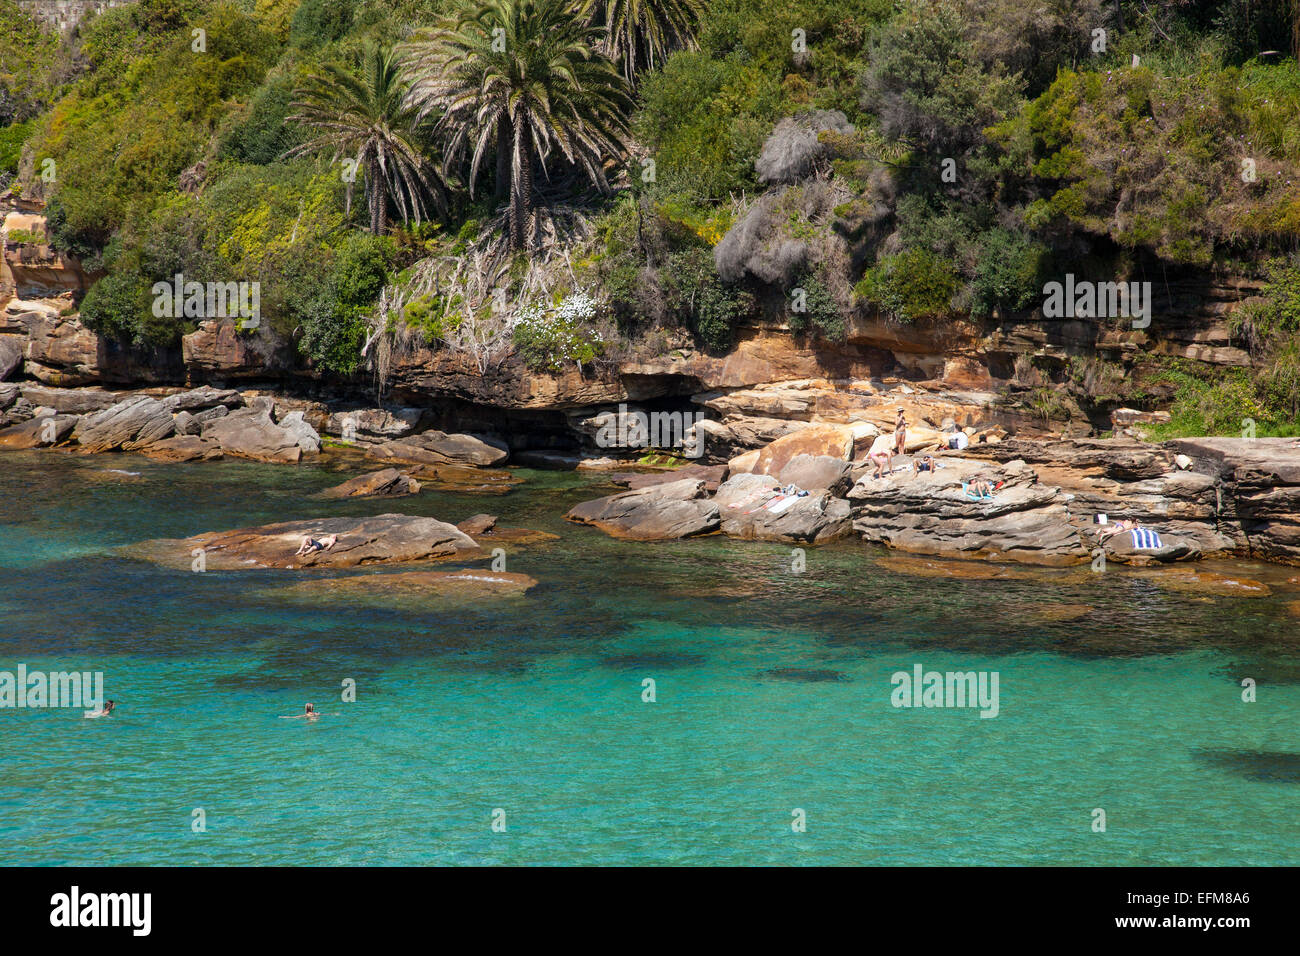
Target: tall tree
[640, 34]
[522, 76]
[367, 119]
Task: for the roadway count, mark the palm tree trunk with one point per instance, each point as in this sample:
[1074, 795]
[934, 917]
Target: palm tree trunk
[378, 190]
[504, 142]
[521, 191]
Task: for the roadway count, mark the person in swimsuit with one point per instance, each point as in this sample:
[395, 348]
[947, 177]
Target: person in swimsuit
[900, 434]
[925, 464]
[311, 545]
[107, 710]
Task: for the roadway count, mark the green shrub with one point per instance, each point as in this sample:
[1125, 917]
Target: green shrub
[120, 306]
[1008, 272]
[319, 22]
[699, 299]
[819, 314]
[705, 121]
[911, 285]
[11, 144]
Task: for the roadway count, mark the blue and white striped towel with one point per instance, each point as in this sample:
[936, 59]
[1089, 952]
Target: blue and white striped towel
[1145, 539]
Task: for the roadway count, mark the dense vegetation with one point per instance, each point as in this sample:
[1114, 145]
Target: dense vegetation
[613, 166]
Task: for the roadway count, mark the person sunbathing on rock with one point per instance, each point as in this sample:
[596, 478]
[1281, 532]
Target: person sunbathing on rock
[1119, 527]
[311, 545]
[926, 463]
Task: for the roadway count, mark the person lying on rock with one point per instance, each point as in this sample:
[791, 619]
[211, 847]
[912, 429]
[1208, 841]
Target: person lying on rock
[926, 463]
[1119, 527]
[311, 545]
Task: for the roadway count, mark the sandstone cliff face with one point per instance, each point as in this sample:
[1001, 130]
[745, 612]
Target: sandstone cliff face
[769, 384]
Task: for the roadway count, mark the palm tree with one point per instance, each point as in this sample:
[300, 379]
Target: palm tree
[522, 76]
[367, 120]
[639, 34]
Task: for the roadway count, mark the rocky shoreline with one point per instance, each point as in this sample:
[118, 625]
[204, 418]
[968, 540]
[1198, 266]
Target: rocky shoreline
[1203, 498]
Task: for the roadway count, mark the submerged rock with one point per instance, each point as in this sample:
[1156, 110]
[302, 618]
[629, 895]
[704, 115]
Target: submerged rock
[1201, 583]
[678, 509]
[956, 569]
[390, 588]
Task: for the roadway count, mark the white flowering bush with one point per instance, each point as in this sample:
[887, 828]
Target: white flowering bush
[550, 335]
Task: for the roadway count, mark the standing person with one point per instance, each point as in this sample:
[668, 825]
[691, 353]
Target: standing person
[900, 436]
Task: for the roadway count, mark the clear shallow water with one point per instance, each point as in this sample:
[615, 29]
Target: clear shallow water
[773, 693]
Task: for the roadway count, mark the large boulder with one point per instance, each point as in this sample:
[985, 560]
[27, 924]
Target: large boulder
[11, 354]
[394, 421]
[206, 397]
[1121, 549]
[678, 509]
[817, 473]
[745, 502]
[385, 483]
[832, 441]
[38, 432]
[60, 350]
[250, 433]
[219, 348]
[295, 424]
[440, 448]
[382, 539]
[183, 448]
[69, 401]
[720, 441]
[931, 513]
[127, 426]
[711, 475]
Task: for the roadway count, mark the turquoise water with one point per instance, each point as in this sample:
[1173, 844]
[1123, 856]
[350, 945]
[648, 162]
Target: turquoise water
[773, 693]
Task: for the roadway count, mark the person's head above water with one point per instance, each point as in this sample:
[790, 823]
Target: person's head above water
[108, 706]
[311, 708]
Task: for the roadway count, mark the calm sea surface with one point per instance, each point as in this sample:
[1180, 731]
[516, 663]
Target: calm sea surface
[772, 694]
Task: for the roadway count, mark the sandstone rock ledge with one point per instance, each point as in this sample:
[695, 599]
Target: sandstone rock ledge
[389, 538]
[677, 509]
[1212, 497]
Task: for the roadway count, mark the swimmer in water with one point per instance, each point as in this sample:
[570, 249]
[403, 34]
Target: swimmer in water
[105, 712]
[310, 713]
